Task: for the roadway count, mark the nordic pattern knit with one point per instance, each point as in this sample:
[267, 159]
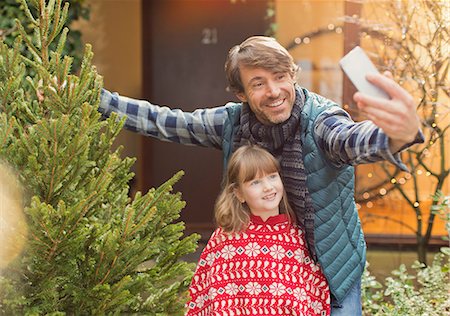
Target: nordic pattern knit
[265, 270]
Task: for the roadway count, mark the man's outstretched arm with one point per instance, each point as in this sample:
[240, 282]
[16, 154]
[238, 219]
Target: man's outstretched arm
[202, 127]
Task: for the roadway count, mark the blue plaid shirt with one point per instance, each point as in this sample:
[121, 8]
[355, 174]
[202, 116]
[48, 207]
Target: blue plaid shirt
[342, 140]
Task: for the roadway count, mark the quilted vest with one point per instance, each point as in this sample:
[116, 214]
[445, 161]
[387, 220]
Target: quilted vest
[339, 240]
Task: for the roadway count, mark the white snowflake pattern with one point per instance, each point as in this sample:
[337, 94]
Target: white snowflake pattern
[299, 255]
[228, 252]
[252, 249]
[277, 252]
[254, 288]
[210, 258]
[212, 293]
[317, 307]
[231, 289]
[277, 289]
[300, 293]
[200, 301]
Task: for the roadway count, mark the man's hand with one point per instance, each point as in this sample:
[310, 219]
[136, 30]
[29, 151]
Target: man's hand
[397, 117]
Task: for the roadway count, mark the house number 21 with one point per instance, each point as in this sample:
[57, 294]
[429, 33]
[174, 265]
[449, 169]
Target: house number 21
[209, 36]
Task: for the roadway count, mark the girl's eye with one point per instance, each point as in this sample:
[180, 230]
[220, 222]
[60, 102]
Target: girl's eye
[273, 176]
[255, 182]
[281, 76]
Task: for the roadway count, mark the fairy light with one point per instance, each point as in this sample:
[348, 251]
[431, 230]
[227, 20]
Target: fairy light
[402, 181]
[419, 172]
[366, 195]
[393, 181]
[428, 174]
[370, 175]
[416, 204]
[369, 204]
[383, 191]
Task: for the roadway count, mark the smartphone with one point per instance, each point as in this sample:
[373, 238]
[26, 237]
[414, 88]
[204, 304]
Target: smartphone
[356, 65]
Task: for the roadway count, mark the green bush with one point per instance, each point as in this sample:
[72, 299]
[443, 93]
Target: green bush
[426, 292]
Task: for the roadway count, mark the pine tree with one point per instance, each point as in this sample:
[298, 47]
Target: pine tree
[91, 249]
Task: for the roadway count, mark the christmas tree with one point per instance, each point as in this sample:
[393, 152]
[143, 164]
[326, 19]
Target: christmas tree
[90, 248]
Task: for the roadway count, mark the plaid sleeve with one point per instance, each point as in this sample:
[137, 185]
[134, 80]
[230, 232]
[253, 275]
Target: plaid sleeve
[347, 142]
[203, 127]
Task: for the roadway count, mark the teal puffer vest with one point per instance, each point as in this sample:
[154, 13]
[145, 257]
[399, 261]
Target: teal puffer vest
[339, 240]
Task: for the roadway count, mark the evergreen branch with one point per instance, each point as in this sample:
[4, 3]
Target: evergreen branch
[144, 220]
[28, 13]
[89, 202]
[56, 19]
[62, 41]
[55, 151]
[99, 263]
[129, 211]
[6, 95]
[8, 131]
[166, 187]
[29, 62]
[59, 25]
[25, 38]
[109, 270]
[43, 32]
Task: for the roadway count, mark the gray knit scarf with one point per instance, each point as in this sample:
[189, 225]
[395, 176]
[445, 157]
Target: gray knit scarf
[284, 142]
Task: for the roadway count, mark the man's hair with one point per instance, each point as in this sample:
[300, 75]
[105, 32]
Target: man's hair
[246, 163]
[257, 51]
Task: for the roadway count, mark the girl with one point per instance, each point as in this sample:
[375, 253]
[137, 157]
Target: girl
[256, 262]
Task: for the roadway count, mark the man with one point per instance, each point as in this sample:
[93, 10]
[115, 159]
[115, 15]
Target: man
[315, 141]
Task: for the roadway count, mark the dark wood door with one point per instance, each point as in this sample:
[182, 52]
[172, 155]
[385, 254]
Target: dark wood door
[185, 44]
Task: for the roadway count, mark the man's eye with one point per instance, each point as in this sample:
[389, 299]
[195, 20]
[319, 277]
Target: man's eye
[281, 77]
[257, 85]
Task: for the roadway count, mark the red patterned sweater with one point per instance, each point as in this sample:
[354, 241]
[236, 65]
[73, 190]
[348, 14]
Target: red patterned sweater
[265, 270]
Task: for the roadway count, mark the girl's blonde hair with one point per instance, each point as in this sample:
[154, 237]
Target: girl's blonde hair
[246, 163]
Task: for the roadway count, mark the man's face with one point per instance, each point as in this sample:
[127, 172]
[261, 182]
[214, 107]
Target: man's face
[271, 95]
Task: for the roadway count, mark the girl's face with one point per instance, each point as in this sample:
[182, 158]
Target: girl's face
[262, 194]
